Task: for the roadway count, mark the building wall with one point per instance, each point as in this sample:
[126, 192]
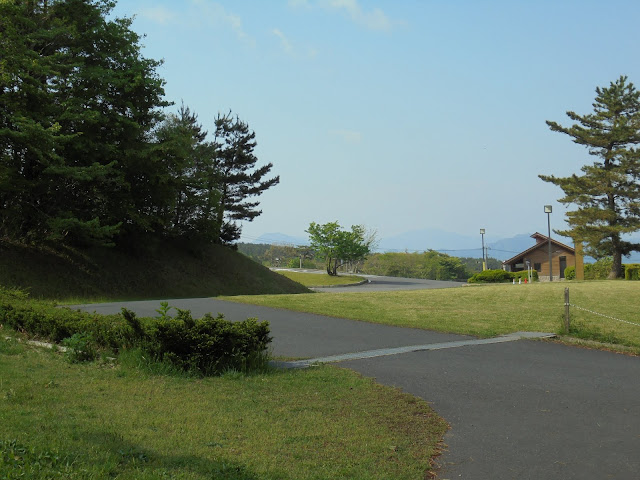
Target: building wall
[541, 256]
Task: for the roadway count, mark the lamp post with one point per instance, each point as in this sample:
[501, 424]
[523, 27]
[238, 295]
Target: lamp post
[484, 262]
[548, 210]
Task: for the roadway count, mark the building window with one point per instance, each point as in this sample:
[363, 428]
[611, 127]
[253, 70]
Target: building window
[536, 267]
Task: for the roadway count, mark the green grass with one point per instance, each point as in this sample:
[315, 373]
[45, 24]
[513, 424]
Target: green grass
[319, 279]
[100, 420]
[162, 270]
[485, 310]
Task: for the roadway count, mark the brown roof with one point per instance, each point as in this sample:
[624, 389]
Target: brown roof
[540, 239]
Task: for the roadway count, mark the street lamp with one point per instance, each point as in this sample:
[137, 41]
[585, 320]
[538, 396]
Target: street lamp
[484, 263]
[548, 210]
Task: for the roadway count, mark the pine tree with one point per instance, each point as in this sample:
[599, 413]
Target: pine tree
[77, 103]
[607, 194]
[186, 186]
[238, 177]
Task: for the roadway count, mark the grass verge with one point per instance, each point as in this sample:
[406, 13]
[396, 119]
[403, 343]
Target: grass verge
[164, 269]
[485, 310]
[60, 420]
[320, 280]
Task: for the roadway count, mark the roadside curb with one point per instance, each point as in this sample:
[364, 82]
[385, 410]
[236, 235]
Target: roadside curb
[383, 352]
[345, 285]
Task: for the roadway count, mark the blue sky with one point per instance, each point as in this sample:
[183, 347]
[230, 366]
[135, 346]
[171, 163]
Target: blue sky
[399, 115]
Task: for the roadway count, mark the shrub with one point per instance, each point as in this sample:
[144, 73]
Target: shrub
[570, 273]
[632, 271]
[207, 346]
[80, 348]
[522, 275]
[599, 270]
[491, 276]
[210, 345]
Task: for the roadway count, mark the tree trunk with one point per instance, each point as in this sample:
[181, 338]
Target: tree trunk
[616, 267]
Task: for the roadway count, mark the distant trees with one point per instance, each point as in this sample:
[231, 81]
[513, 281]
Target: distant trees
[429, 265]
[607, 194]
[87, 155]
[337, 246]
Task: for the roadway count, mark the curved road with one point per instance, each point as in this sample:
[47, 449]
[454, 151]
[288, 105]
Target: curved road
[518, 409]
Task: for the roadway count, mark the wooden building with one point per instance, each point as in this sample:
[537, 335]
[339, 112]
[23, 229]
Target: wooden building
[562, 256]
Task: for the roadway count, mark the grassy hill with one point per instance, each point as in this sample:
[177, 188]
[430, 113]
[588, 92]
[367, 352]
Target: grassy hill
[164, 270]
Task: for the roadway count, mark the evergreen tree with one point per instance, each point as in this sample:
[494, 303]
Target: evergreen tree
[77, 103]
[186, 189]
[238, 177]
[607, 194]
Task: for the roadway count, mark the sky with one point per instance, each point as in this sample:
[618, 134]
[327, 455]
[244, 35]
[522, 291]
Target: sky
[398, 115]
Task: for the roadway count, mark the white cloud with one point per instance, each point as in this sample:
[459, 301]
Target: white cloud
[373, 19]
[198, 12]
[349, 136]
[284, 41]
[160, 15]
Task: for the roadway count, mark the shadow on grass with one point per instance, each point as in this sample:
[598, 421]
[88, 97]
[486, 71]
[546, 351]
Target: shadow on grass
[112, 457]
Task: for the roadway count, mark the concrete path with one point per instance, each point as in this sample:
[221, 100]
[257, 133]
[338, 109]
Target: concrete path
[518, 409]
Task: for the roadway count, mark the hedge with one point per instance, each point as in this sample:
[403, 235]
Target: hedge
[501, 276]
[207, 346]
[632, 271]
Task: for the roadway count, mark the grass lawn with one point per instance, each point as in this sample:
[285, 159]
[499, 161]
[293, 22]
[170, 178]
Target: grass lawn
[319, 279]
[484, 310]
[97, 420]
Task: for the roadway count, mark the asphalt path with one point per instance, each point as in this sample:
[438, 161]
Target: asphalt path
[518, 410]
[378, 283]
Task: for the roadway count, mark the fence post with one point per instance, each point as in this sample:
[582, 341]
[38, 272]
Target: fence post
[566, 311]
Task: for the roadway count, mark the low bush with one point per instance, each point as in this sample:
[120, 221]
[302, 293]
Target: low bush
[206, 346]
[570, 273]
[599, 270]
[502, 276]
[632, 271]
[491, 276]
[522, 275]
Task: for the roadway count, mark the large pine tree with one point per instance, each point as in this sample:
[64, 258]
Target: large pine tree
[77, 103]
[607, 193]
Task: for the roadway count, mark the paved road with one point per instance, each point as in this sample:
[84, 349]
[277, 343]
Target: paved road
[518, 410]
[377, 283]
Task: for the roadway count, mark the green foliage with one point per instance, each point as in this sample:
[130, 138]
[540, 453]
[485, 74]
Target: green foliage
[570, 273]
[18, 460]
[210, 345]
[205, 346]
[337, 246]
[632, 271]
[78, 101]
[492, 276]
[523, 274]
[87, 156]
[79, 348]
[474, 265]
[238, 177]
[599, 270]
[608, 191]
[430, 265]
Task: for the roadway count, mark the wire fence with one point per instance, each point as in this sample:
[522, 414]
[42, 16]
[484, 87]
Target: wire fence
[567, 313]
[603, 315]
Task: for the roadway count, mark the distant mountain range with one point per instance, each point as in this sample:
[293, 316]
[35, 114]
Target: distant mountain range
[452, 244]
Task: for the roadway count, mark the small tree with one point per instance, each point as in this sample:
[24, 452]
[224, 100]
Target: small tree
[338, 246]
[608, 193]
